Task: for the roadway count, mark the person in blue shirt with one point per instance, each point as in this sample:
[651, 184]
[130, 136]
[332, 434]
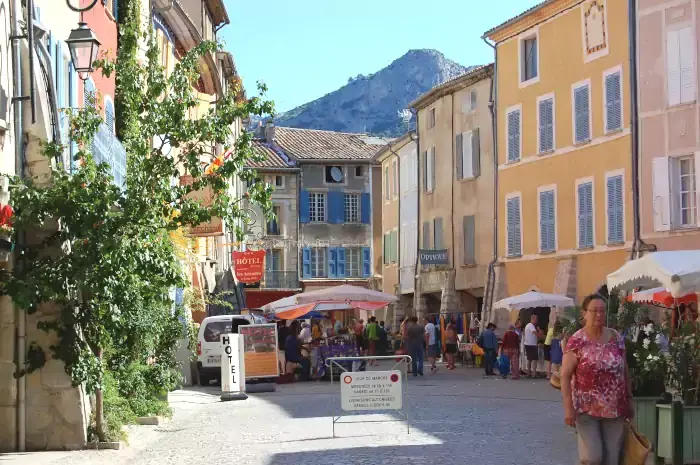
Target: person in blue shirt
[489, 342]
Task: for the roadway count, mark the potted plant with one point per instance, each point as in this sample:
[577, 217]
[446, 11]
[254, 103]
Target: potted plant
[679, 421]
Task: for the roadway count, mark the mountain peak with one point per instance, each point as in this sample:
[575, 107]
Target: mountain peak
[370, 104]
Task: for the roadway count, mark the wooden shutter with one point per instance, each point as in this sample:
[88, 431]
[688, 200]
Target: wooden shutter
[661, 188]
[513, 227]
[387, 196]
[514, 135]
[366, 262]
[585, 215]
[613, 102]
[426, 235]
[615, 210]
[340, 267]
[546, 129]
[469, 231]
[425, 171]
[365, 208]
[547, 222]
[306, 262]
[335, 208]
[582, 131]
[304, 206]
[687, 64]
[673, 67]
[437, 230]
[467, 155]
[332, 262]
[476, 153]
[73, 103]
[472, 99]
[432, 168]
[459, 158]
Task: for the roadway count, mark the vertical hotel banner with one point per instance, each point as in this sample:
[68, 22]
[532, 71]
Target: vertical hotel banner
[205, 197]
[260, 350]
[249, 265]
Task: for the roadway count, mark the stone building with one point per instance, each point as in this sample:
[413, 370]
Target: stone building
[455, 176]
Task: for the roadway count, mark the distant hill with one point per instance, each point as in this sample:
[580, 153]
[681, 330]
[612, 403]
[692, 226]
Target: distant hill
[370, 104]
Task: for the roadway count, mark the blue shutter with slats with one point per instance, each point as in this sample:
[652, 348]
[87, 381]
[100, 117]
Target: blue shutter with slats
[304, 206]
[585, 215]
[336, 207]
[58, 66]
[332, 262]
[366, 262]
[547, 222]
[582, 115]
[513, 220]
[340, 262]
[514, 135]
[109, 115]
[613, 102]
[366, 208]
[546, 129]
[615, 210]
[115, 9]
[73, 102]
[306, 262]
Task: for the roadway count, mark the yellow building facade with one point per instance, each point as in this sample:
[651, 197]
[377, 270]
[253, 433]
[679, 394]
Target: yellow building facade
[564, 148]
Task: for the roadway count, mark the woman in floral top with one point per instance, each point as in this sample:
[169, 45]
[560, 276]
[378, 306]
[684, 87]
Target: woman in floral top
[595, 386]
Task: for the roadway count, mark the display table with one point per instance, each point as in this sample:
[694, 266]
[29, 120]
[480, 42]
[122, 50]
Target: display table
[326, 352]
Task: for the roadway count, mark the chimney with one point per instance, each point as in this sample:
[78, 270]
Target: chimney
[269, 131]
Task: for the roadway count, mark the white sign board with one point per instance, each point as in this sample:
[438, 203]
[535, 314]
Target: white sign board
[232, 363]
[371, 390]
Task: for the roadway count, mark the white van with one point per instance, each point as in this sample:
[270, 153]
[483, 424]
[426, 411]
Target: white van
[209, 342]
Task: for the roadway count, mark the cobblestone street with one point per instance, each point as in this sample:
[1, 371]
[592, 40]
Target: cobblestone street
[453, 415]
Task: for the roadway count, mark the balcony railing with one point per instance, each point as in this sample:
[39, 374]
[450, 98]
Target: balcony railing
[107, 148]
[280, 280]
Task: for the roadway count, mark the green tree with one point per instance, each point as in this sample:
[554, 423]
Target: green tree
[100, 252]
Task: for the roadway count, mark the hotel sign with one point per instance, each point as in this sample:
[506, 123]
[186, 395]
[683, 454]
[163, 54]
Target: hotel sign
[205, 197]
[434, 257]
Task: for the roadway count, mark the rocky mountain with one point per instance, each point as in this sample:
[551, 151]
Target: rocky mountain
[371, 103]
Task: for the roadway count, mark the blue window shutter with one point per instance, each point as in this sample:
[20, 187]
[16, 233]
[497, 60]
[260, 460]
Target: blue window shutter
[585, 215]
[58, 64]
[513, 230]
[304, 206]
[306, 262]
[73, 102]
[366, 208]
[49, 47]
[366, 262]
[109, 115]
[615, 213]
[340, 262]
[336, 207]
[547, 230]
[332, 262]
[115, 9]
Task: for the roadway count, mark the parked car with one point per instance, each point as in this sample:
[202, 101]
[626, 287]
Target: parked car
[209, 342]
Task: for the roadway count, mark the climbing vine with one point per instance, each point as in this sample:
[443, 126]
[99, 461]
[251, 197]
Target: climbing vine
[98, 255]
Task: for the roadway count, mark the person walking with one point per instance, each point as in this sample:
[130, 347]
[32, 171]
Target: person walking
[383, 345]
[596, 387]
[511, 349]
[431, 343]
[360, 336]
[531, 339]
[414, 341]
[451, 345]
[372, 334]
[489, 342]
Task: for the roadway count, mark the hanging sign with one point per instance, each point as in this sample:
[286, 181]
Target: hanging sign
[434, 257]
[249, 265]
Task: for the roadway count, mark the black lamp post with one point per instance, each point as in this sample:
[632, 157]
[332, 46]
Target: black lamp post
[84, 47]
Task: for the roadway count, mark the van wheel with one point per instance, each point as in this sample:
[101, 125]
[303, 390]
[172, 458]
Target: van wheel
[204, 380]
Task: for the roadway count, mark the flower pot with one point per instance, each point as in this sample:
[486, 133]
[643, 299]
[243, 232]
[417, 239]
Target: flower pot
[645, 417]
[691, 433]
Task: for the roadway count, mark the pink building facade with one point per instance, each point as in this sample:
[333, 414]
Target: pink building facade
[669, 122]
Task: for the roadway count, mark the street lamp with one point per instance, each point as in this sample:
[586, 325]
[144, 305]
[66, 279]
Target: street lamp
[84, 47]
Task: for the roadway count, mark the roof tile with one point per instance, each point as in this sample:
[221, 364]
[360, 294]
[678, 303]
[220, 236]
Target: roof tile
[274, 157]
[314, 144]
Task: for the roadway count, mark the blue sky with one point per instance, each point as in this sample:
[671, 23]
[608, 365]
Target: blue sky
[303, 49]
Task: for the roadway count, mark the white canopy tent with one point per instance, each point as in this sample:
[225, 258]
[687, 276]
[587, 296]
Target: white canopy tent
[676, 271]
[534, 299]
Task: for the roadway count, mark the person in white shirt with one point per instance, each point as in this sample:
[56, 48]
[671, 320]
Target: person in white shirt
[530, 338]
[305, 334]
[431, 343]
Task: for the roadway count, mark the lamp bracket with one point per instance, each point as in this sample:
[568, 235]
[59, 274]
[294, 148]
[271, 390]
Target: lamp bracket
[81, 10]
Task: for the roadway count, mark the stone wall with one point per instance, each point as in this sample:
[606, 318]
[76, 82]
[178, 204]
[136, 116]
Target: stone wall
[8, 383]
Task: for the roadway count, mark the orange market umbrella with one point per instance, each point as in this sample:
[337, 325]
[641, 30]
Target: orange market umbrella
[660, 296]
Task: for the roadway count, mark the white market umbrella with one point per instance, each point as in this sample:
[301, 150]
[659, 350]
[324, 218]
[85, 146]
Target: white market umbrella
[534, 299]
[676, 271]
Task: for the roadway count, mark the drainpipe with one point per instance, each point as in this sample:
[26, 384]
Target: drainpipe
[638, 245]
[491, 275]
[17, 19]
[452, 175]
[416, 296]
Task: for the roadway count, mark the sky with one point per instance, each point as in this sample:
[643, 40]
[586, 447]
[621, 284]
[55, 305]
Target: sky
[304, 49]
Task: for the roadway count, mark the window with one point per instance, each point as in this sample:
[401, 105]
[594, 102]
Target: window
[545, 118]
[585, 215]
[353, 256]
[207, 27]
[318, 262]
[437, 231]
[431, 118]
[686, 191]
[273, 228]
[547, 221]
[528, 59]
[352, 208]
[680, 66]
[582, 112]
[426, 238]
[359, 171]
[469, 231]
[429, 169]
[469, 103]
[317, 207]
[395, 173]
[391, 247]
[279, 182]
[109, 114]
[514, 239]
[387, 186]
[386, 245]
[514, 127]
[335, 175]
[615, 213]
[273, 260]
[613, 102]
[468, 154]
[89, 93]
